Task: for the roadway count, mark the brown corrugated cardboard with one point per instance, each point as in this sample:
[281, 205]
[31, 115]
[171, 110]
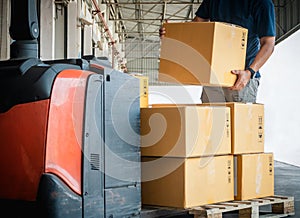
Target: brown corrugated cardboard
[187, 182]
[202, 53]
[247, 127]
[185, 131]
[254, 176]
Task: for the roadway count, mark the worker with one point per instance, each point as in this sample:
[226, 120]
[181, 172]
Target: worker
[258, 16]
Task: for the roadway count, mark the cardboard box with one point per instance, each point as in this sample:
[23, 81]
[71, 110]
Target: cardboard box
[253, 176]
[202, 53]
[185, 131]
[247, 127]
[144, 90]
[187, 182]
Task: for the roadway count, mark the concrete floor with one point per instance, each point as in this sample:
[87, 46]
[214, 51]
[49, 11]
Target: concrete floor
[287, 183]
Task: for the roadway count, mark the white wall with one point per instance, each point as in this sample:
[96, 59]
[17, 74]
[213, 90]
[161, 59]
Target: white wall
[47, 33]
[4, 29]
[280, 92]
[59, 36]
[175, 94]
[74, 30]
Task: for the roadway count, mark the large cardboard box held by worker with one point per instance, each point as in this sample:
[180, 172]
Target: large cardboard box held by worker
[247, 127]
[185, 131]
[253, 176]
[202, 53]
[187, 182]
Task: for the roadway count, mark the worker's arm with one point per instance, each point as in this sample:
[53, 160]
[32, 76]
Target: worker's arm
[267, 44]
[199, 19]
[162, 30]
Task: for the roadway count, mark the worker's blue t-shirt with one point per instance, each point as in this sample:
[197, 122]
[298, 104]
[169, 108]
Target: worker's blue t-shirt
[258, 16]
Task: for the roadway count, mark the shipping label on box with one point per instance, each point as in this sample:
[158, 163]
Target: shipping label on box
[253, 176]
[202, 53]
[185, 131]
[187, 182]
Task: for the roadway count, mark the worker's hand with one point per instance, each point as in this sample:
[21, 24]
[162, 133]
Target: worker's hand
[243, 77]
[162, 32]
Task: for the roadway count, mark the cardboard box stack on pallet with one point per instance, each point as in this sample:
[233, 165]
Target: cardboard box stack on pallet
[253, 167]
[185, 154]
[202, 154]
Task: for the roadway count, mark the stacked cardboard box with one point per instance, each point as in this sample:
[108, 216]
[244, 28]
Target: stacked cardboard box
[185, 131]
[254, 176]
[144, 86]
[188, 150]
[187, 182]
[186, 156]
[253, 168]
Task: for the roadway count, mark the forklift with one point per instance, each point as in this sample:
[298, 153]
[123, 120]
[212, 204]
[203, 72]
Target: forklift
[69, 132]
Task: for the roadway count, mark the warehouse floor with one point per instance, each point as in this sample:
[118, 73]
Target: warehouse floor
[287, 183]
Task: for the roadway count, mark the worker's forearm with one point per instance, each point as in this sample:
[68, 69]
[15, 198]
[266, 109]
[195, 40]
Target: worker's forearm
[266, 49]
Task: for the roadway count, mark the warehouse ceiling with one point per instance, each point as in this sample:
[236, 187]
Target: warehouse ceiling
[142, 18]
[287, 18]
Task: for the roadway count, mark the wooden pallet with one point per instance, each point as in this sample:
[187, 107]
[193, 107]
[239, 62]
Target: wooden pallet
[156, 211]
[281, 206]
